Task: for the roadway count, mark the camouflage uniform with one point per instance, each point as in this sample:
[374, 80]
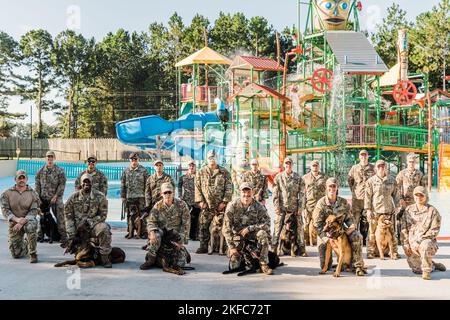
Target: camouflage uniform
[99, 181]
[48, 183]
[175, 217]
[21, 205]
[419, 232]
[211, 187]
[153, 188]
[381, 196]
[259, 183]
[325, 208]
[255, 218]
[186, 192]
[133, 185]
[314, 190]
[93, 208]
[287, 197]
[406, 181]
[357, 178]
[237, 179]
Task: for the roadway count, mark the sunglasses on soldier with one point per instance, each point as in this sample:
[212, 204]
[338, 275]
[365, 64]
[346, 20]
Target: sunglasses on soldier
[92, 161]
[167, 192]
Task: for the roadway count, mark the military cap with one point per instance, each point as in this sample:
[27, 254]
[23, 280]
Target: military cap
[420, 190]
[191, 162]
[380, 162]
[166, 186]
[314, 162]
[411, 157]
[50, 153]
[21, 173]
[332, 181]
[92, 157]
[134, 155]
[246, 185]
[288, 159]
[158, 161]
[364, 151]
[86, 176]
[254, 161]
[211, 154]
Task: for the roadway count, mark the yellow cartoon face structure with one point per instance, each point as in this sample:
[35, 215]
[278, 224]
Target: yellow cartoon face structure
[332, 14]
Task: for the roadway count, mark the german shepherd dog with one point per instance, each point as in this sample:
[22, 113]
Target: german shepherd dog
[86, 254]
[48, 222]
[339, 243]
[250, 251]
[169, 252]
[216, 239]
[288, 236]
[384, 237]
[135, 221]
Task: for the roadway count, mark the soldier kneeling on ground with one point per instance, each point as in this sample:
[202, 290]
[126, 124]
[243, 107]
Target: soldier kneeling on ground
[421, 223]
[247, 218]
[91, 206]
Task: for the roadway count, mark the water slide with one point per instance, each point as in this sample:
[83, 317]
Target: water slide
[151, 132]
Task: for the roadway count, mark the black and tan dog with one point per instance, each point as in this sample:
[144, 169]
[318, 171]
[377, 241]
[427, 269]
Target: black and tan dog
[339, 243]
[168, 255]
[384, 237]
[48, 223]
[86, 254]
[135, 221]
[288, 236]
[216, 239]
[250, 252]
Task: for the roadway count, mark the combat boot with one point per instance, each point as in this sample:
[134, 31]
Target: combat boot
[370, 256]
[202, 250]
[33, 258]
[105, 261]
[266, 270]
[439, 266]
[149, 262]
[426, 275]
[360, 272]
[303, 251]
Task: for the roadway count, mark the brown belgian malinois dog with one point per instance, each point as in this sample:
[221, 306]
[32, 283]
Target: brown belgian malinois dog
[339, 243]
[384, 237]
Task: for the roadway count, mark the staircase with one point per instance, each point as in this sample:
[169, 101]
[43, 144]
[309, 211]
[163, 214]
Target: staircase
[444, 167]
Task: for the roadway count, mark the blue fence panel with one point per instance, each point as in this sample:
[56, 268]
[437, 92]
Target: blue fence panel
[73, 170]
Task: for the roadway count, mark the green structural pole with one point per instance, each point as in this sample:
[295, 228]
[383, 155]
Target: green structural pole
[271, 121]
[194, 87]
[252, 123]
[237, 118]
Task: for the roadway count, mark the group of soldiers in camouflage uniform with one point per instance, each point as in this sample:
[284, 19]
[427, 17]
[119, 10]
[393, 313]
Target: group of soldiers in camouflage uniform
[209, 192]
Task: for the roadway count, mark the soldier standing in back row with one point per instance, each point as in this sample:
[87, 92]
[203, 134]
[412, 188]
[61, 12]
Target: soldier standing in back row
[287, 198]
[314, 191]
[132, 188]
[50, 182]
[213, 191]
[407, 180]
[357, 178]
[154, 182]
[381, 198]
[186, 192]
[258, 181]
[99, 180]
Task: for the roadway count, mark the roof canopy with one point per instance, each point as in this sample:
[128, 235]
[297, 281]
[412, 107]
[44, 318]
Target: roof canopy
[258, 64]
[258, 90]
[354, 52]
[204, 56]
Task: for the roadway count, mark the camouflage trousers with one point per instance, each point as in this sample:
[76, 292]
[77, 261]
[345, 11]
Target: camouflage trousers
[19, 246]
[101, 234]
[355, 239]
[278, 226]
[152, 251]
[372, 245]
[60, 217]
[357, 211]
[420, 261]
[398, 222]
[206, 216]
[262, 237]
[310, 233]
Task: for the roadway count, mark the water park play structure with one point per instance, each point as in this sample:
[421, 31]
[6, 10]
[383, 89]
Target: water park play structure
[331, 97]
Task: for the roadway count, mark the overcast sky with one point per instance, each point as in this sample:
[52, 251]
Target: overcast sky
[98, 17]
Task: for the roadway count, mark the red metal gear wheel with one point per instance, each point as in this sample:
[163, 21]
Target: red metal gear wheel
[321, 80]
[404, 92]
